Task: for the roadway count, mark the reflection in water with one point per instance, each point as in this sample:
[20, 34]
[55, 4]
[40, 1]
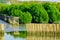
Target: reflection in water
[19, 33]
[15, 36]
[43, 36]
[12, 33]
[22, 34]
[12, 37]
[1, 35]
[40, 38]
[15, 33]
[35, 36]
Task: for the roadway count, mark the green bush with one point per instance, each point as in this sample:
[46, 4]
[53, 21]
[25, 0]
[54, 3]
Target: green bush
[24, 7]
[54, 14]
[33, 12]
[24, 17]
[3, 9]
[58, 6]
[11, 8]
[39, 15]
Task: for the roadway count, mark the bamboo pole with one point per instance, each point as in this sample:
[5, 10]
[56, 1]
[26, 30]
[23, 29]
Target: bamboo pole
[1, 27]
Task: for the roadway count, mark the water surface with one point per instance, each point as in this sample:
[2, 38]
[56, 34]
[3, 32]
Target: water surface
[19, 33]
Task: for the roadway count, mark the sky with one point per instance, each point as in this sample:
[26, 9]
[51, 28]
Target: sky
[41, 0]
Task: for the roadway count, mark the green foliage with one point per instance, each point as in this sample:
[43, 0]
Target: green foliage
[24, 17]
[54, 14]
[39, 14]
[33, 12]
[3, 9]
[58, 6]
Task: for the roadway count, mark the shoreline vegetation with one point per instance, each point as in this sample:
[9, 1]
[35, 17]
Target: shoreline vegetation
[33, 12]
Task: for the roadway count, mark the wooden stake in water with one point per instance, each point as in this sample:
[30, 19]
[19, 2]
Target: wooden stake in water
[1, 27]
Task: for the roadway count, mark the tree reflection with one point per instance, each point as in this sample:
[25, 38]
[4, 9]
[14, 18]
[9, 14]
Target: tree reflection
[22, 34]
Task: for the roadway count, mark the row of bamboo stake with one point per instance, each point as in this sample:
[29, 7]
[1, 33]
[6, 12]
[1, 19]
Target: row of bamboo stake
[43, 27]
[31, 28]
